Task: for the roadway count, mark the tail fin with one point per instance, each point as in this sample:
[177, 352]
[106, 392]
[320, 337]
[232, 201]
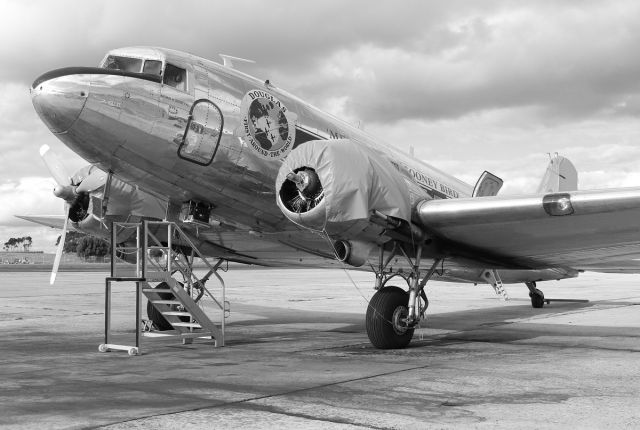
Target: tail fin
[561, 175]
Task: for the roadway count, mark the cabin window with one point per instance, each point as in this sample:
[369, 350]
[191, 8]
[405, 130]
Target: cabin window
[175, 77]
[153, 67]
[126, 64]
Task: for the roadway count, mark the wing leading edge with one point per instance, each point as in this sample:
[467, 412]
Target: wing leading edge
[53, 221]
[586, 230]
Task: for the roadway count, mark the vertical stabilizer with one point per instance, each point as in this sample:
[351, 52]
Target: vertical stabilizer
[561, 175]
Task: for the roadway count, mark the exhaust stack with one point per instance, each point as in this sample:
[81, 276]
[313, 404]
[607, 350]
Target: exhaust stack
[353, 252]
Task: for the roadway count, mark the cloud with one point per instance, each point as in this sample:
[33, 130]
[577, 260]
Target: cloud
[280, 33]
[565, 62]
[391, 61]
[27, 196]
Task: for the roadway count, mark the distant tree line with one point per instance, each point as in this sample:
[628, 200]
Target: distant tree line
[15, 243]
[84, 246]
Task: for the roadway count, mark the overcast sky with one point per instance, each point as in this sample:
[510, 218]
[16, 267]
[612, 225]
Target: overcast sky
[471, 85]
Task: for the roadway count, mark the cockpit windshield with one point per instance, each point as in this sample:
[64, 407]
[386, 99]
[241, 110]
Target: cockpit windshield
[153, 67]
[132, 65]
[126, 64]
[168, 73]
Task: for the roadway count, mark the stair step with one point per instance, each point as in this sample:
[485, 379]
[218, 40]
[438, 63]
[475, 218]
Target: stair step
[156, 290]
[174, 333]
[166, 302]
[177, 314]
[186, 324]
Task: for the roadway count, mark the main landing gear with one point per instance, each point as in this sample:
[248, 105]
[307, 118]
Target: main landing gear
[537, 297]
[386, 319]
[393, 313]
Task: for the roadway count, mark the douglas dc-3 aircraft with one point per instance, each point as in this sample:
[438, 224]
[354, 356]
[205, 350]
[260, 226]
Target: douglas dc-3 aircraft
[256, 175]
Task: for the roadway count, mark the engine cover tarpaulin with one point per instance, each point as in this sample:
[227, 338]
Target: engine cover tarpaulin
[356, 180]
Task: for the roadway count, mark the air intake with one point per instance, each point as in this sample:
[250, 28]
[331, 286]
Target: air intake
[301, 191]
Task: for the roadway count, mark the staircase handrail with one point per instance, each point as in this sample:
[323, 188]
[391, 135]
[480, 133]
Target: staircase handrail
[212, 269]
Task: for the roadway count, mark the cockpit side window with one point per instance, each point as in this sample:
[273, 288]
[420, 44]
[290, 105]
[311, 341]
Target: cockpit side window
[153, 67]
[125, 64]
[175, 77]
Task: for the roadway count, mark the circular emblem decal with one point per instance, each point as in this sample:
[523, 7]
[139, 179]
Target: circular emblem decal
[267, 124]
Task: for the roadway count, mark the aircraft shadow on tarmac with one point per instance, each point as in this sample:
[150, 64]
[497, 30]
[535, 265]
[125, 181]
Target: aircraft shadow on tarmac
[500, 324]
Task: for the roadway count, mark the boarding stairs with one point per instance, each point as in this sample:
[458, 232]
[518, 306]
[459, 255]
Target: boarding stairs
[180, 311]
[159, 253]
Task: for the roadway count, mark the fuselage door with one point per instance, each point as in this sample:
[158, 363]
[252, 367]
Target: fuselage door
[202, 136]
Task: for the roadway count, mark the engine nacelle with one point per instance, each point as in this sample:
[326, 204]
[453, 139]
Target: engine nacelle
[334, 185]
[90, 210]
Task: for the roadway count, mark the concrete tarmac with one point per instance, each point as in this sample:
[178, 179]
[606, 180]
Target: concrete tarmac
[297, 356]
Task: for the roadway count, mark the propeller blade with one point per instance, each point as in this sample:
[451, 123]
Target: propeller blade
[63, 235]
[55, 166]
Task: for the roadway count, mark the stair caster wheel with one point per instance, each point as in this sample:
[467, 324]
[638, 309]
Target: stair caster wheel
[537, 299]
[103, 348]
[133, 351]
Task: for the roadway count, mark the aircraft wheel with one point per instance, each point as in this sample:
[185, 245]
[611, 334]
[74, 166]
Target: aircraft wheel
[386, 313]
[154, 315]
[537, 299]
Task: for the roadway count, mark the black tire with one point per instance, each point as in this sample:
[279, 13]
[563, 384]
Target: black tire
[154, 315]
[382, 333]
[537, 299]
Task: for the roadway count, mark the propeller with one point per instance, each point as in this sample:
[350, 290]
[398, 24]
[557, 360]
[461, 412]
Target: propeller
[63, 235]
[55, 166]
[64, 190]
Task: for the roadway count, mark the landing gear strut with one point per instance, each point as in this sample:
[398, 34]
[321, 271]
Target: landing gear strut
[537, 297]
[393, 313]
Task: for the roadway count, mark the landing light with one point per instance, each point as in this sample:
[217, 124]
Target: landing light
[557, 204]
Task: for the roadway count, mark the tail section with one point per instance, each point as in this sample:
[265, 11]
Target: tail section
[561, 175]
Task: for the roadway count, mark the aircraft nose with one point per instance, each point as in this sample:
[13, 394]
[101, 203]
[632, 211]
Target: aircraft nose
[59, 99]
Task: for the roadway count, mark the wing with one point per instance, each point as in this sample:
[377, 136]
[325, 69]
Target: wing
[54, 221]
[585, 230]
